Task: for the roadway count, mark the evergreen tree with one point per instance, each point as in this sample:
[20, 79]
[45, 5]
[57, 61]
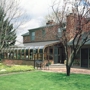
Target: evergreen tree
[7, 32]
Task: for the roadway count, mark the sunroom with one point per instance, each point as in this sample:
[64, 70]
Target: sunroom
[51, 51]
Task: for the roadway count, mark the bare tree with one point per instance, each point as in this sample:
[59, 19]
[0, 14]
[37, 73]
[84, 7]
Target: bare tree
[79, 33]
[53, 17]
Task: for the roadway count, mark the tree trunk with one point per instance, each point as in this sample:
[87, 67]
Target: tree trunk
[70, 62]
[68, 70]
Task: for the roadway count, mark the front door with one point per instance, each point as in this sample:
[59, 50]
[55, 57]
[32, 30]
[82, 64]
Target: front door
[84, 57]
[55, 54]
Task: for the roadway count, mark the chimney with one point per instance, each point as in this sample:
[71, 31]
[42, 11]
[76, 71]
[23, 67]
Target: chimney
[71, 24]
[50, 22]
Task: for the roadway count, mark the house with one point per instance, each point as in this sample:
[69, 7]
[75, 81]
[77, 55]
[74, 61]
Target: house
[43, 44]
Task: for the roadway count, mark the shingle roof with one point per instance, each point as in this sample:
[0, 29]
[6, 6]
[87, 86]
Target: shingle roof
[26, 34]
[43, 27]
[84, 35]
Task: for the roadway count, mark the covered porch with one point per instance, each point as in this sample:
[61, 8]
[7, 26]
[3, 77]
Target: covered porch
[51, 51]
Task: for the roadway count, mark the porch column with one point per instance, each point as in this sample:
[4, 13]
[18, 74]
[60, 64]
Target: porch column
[2, 54]
[33, 54]
[38, 54]
[48, 53]
[6, 53]
[24, 53]
[28, 53]
[53, 54]
[13, 53]
[43, 54]
[20, 53]
[16, 53]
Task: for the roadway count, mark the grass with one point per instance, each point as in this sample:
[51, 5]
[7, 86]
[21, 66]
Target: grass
[38, 80]
[14, 68]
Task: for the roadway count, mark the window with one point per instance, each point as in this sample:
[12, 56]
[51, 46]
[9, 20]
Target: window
[40, 55]
[33, 36]
[59, 32]
[43, 33]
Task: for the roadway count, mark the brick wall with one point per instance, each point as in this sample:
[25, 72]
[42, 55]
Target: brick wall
[26, 39]
[50, 34]
[71, 25]
[18, 62]
[86, 27]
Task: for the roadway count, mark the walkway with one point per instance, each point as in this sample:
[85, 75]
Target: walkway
[62, 69]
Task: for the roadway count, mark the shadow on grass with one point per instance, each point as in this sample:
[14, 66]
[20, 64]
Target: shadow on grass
[57, 77]
[74, 81]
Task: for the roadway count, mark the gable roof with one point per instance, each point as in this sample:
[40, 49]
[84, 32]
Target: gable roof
[26, 34]
[47, 26]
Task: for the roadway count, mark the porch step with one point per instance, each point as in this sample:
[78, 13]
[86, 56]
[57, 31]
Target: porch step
[57, 66]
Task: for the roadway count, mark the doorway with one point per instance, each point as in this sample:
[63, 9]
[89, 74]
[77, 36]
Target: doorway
[55, 55]
[58, 55]
[84, 57]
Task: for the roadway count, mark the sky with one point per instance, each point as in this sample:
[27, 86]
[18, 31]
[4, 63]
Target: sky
[35, 12]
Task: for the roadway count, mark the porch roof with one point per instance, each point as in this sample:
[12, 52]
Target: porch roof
[40, 45]
[33, 45]
[71, 42]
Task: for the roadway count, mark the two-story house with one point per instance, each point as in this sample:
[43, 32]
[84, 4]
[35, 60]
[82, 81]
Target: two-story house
[44, 43]
[46, 46]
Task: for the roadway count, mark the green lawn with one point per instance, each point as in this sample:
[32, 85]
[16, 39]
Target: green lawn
[38, 80]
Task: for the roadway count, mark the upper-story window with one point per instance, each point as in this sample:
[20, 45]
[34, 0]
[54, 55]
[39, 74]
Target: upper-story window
[43, 33]
[33, 36]
[59, 32]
